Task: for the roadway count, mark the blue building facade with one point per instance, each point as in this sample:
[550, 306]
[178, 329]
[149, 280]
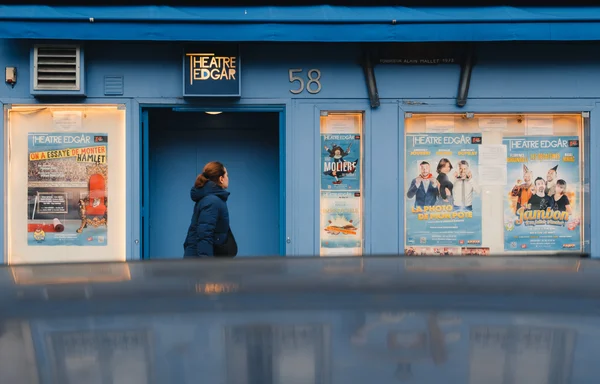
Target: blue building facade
[370, 79]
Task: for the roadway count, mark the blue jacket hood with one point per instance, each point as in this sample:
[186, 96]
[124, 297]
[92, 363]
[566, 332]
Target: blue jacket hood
[210, 188]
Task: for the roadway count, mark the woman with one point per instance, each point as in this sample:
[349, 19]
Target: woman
[209, 230]
[443, 168]
[560, 201]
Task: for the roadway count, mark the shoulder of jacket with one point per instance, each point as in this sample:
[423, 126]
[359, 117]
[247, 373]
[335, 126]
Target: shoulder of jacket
[210, 200]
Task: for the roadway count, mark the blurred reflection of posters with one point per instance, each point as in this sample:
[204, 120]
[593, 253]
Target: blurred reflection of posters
[340, 161]
[67, 182]
[341, 227]
[543, 197]
[91, 357]
[402, 340]
[70, 273]
[277, 354]
[442, 193]
[17, 356]
[520, 354]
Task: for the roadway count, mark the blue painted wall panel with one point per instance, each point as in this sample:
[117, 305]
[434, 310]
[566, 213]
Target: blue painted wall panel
[552, 77]
[417, 82]
[305, 162]
[383, 199]
[154, 71]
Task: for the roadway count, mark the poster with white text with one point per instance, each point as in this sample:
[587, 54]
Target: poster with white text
[442, 196]
[67, 185]
[543, 197]
[340, 155]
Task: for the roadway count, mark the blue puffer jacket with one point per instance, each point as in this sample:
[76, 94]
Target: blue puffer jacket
[210, 221]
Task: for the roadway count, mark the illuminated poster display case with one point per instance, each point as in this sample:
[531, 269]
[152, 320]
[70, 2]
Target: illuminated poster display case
[341, 184]
[494, 184]
[65, 168]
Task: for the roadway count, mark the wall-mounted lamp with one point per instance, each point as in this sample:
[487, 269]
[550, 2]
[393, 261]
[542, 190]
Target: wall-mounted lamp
[10, 76]
[213, 113]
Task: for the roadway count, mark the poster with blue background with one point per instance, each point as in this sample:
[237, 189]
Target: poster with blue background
[543, 197]
[442, 197]
[67, 189]
[340, 161]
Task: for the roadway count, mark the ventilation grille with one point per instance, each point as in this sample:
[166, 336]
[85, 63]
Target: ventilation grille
[113, 85]
[56, 68]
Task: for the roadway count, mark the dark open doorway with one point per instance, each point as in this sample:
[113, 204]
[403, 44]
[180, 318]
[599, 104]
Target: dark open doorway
[177, 146]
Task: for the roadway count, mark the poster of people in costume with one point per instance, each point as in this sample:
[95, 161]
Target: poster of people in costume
[442, 196]
[341, 225]
[543, 198]
[67, 184]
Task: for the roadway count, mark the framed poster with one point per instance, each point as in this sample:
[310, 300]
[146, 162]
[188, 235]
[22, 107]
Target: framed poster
[442, 193]
[341, 199]
[526, 190]
[543, 206]
[66, 183]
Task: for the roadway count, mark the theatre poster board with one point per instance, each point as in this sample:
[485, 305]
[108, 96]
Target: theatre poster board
[66, 183]
[341, 184]
[495, 184]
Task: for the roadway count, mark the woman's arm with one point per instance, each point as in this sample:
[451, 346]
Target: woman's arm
[205, 227]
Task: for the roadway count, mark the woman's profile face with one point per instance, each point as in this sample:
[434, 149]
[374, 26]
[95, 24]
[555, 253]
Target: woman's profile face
[224, 180]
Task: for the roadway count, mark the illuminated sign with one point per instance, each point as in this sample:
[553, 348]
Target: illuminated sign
[212, 71]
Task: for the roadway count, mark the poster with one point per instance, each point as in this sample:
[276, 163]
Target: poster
[67, 189]
[442, 192]
[340, 158]
[341, 226]
[543, 196]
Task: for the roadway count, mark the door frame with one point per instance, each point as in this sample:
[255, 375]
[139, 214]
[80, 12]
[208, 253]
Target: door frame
[145, 162]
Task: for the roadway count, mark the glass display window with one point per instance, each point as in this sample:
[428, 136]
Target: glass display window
[341, 230]
[66, 188]
[491, 184]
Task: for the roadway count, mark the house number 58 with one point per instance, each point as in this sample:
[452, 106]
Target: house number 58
[313, 85]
